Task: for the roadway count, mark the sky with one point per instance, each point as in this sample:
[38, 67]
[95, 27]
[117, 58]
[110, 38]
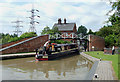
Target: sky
[89, 13]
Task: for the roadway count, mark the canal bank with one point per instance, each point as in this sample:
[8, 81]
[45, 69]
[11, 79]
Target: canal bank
[103, 69]
[14, 56]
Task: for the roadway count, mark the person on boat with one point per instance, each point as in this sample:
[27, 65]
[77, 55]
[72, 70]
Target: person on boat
[36, 50]
[46, 47]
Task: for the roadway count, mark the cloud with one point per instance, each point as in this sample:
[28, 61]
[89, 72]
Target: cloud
[90, 14]
[10, 1]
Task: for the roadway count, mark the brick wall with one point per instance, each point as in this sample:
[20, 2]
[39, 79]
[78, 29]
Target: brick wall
[26, 46]
[109, 50]
[96, 43]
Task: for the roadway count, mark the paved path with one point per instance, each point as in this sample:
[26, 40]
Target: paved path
[104, 71]
[104, 68]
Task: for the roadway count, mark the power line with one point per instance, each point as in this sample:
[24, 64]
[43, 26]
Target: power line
[17, 27]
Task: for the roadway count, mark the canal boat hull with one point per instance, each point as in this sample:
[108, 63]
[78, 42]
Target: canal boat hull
[57, 55]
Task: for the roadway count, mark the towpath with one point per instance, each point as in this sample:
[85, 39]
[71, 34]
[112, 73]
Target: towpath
[103, 70]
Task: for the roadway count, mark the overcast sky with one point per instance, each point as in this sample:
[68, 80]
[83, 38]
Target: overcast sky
[90, 13]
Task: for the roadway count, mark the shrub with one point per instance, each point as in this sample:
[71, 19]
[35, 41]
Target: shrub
[60, 41]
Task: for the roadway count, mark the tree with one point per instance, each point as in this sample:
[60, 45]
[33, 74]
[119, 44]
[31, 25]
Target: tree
[46, 30]
[28, 35]
[52, 31]
[90, 32]
[13, 39]
[115, 21]
[55, 30]
[109, 40]
[116, 7]
[6, 38]
[14, 35]
[104, 31]
[82, 30]
[111, 33]
[115, 18]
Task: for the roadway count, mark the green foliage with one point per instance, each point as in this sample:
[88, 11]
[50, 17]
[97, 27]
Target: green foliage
[91, 32]
[52, 31]
[82, 29]
[46, 30]
[6, 38]
[105, 31]
[60, 41]
[28, 35]
[116, 7]
[55, 30]
[111, 33]
[114, 19]
[109, 40]
[13, 39]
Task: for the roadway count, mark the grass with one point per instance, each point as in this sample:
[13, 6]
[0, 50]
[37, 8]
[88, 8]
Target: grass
[113, 58]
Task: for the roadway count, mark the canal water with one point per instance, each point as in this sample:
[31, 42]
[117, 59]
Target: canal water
[70, 68]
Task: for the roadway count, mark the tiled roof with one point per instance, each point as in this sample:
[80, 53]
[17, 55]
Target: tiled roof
[64, 27]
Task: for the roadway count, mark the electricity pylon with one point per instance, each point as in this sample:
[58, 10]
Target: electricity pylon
[17, 27]
[32, 20]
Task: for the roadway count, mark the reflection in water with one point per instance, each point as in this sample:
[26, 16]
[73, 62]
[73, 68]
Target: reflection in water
[72, 68]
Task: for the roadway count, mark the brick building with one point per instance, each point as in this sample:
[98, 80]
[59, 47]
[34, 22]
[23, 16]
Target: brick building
[96, 43]
[67, 30]
[68, 33]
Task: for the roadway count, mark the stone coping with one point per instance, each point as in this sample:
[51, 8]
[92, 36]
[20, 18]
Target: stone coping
[13, 56]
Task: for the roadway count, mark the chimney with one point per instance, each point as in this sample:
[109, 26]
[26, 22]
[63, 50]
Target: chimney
[64, 20]
[59, 21]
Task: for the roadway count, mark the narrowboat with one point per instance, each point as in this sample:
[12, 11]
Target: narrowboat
[56, 51]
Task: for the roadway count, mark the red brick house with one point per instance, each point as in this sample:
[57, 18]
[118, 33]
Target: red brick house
[67, 30]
